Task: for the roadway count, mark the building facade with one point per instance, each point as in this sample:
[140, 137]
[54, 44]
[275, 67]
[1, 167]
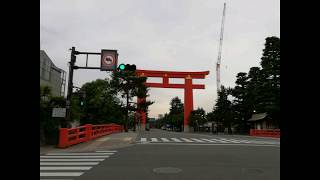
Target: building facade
[261, 121]
[51, 75]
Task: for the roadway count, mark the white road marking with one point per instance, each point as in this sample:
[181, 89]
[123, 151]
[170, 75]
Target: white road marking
[56, 179]
[186, 140]
[61, 174]
[244, 141]
[154, 140]
[165, 139]
[197, 140]
[72, 154]
[231, 140]
[227, 140]
[66, 168]
[67, 160]
[108, 151]
[213, 144]
[208, 140]
[70, 157]
[220, 141]
[176, 140]
[67, 163]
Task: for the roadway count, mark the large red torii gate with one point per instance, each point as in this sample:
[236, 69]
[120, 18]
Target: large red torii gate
[187, 86]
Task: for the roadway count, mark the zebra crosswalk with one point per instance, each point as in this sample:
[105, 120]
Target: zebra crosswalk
[70, 165]
[207, 141]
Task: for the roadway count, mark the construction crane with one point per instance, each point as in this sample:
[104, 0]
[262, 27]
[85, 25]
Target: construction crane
[220, 48]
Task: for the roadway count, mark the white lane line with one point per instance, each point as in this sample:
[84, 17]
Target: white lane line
[232, 140]
[213, 144]
[108, 151]
[220, 141]
[197, 140]
[186, 140]
[66, 168]
[154, 140]
[238, 140]
[71, 157]
[72, 154]
[165, 139]
[227, 140]
[67, 160]
[143, 140]
[208, 140]
[61, 174]
[56, 179]
[244, 141]
[176, 140]
[67, 163]
[264, 142]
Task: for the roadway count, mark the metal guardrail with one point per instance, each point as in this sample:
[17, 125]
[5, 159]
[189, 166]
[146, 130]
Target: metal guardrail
[71, 136]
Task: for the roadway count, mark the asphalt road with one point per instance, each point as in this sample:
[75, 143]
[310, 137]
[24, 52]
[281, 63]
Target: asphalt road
[158, 156]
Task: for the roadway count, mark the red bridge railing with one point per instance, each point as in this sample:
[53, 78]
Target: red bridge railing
[265, 132]
[71, 136]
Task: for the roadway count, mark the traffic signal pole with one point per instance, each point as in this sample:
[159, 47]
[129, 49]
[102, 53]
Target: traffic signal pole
[70, 86]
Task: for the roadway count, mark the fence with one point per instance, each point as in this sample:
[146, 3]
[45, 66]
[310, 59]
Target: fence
[68, 137]
[265, 132]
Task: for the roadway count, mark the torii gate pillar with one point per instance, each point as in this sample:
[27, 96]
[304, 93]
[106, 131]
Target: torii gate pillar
[188, 103]
[187, 86]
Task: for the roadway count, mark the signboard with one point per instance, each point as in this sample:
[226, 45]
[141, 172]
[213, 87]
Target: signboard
[109, 60]
[58, 112]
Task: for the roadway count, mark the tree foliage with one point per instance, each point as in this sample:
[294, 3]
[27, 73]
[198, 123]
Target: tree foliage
[101, 103]
[49, 125]
[258, 90]
[197, 118]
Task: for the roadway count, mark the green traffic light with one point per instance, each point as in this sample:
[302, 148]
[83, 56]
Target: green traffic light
[81, 103]
[122, 67]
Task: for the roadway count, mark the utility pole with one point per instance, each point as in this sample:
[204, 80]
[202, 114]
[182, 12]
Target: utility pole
[70, 85]
[127, 109]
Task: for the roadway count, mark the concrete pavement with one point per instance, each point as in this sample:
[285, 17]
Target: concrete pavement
[155, 162]
[109, 142]
[120, 156]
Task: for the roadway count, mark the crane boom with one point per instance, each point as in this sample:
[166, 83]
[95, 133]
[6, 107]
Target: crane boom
[220, 48]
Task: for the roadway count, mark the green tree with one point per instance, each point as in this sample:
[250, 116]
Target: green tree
[197, 118]
[241, 108]
[101, 105]
[223, 111]
[176, 116]
[270, 63]
[128, 85]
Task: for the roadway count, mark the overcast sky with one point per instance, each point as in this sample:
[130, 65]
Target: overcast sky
[173, 35]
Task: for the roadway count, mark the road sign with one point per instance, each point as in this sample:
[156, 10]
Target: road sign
[109, 60]
[58, 112]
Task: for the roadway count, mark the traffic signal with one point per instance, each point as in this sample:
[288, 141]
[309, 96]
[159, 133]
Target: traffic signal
[82, 96]
[127, 67]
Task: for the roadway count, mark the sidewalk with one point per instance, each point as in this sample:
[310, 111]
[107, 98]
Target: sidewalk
[108, 142]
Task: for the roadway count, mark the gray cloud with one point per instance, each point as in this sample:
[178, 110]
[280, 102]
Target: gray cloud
[180, 35]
